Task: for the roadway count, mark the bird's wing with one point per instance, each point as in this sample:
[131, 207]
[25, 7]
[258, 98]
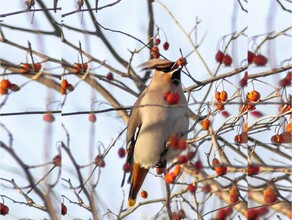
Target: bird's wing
[134, 125]
[157, 64]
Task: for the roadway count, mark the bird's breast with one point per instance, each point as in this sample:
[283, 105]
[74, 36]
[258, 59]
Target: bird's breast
[159, 122]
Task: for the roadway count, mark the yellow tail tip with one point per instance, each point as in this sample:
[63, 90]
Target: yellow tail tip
[131, 202]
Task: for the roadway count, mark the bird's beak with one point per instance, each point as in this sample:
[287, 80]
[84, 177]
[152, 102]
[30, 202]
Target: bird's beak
[175, 73]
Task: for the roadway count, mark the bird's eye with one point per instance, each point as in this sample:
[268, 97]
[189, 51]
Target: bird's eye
[165, 70]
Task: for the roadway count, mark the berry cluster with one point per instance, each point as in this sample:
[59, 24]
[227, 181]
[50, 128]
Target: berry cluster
[80, 67]
[221, 98]
[220, 57]
[257, 59]
[155, 50]
[66, 86]
[27, 67]
[176, 143]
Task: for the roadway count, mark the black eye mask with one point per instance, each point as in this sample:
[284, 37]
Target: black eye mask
[165, 70]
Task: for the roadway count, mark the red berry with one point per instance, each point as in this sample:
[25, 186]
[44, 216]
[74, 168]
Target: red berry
[276, 139]
[288, 127]
[198, 165]
[182, 159]
[251, 214]
[166, 95]
[77, 67]
[255, 213]
[175, 216]
[219, 169]
[287, 80]
[57, 160]
[252, 170]
[3, 209]
[14, 87]
[172, 141]
[220, 106]
[217, 96]
[92, 117]
[284, 82]
[228, 210]
[144, 194]
[122, 152]
[192, 188]
[99, 161]
[169, 178]
[191, 155]
[64, 84]
[176, 170]
[37, 66]
[155, 49]
[155, 52]
[110, 76]
[215, 161]
[165, 45]
[25, 68]
[156, 41]
[250, 56]
[234, 195]
[227, 60]
[127, 167]
[225, 114]
[289, 76]
[181, 61]
[172, 98]
[256, 114]
[70, 87]
[270, 194]
[243, 81]
[220, 215]
[159, 170]
[3, 91]
[260, 60]
[262, 210]
[181, 214]
[182, 144]
[205, 124]
[5, 84]
[286, 137]
[253, 96]
[222, 170]
[48, 117]
[223, 96]
[206, 188]
[63, 209]
[155, 55]
[219, 56]
[85, 66]
[63, 91]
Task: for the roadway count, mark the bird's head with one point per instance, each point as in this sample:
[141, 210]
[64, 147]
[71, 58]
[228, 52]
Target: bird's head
[165, 71]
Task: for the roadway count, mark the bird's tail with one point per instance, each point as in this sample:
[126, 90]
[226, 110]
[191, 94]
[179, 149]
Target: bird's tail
[139, 174]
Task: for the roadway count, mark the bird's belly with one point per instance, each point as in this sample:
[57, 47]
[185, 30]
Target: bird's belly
[155, 131]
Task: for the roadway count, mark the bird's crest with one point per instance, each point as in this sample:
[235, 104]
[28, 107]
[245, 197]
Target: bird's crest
[157, 64]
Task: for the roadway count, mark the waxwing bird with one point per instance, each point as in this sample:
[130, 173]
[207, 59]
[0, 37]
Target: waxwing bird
[163, 113]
